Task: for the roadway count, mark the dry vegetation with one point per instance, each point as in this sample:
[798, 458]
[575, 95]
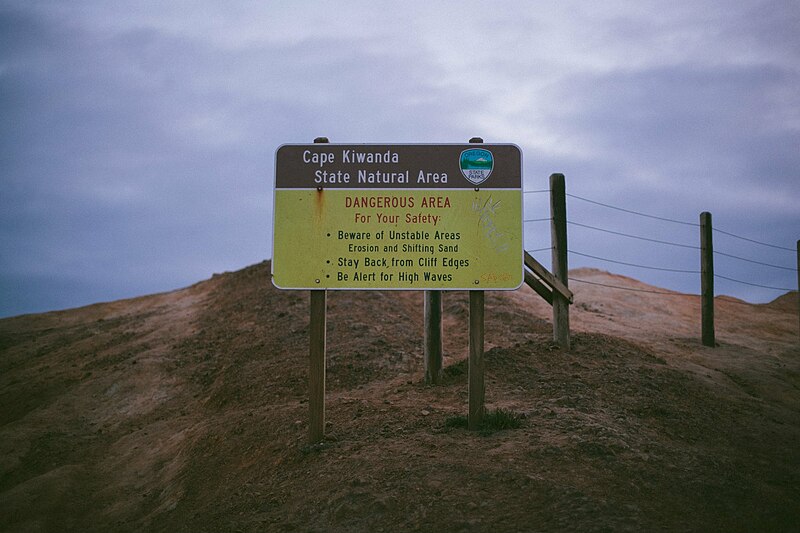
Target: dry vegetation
[187, 411]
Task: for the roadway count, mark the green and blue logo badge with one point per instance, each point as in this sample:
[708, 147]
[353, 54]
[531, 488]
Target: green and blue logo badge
[476, 165]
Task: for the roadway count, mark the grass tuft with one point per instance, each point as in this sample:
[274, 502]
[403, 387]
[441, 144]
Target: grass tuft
[493, 421]
[501, 419]
[457, 422]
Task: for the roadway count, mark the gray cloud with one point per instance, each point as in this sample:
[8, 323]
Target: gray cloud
[137, 142]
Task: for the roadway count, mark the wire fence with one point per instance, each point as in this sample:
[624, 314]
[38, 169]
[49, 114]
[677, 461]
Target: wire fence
[751, 277]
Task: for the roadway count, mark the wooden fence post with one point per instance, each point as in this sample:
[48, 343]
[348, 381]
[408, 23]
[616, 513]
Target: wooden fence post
[707, 279]
[433, 337]
[316, 376]
[558, 231]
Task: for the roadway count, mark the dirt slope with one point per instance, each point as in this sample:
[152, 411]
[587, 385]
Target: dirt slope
[187, 411]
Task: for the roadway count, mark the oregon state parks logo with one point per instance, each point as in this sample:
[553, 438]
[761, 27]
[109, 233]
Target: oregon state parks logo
[476, 165]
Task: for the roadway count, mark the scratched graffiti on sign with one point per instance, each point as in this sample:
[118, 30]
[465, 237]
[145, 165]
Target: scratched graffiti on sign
[487, 212]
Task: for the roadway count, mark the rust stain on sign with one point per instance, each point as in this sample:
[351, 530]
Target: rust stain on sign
[319, 205]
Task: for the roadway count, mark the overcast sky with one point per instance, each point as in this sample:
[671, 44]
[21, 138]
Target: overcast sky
[137, 139]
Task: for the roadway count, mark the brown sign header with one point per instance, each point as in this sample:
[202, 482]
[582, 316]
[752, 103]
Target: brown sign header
[398, 166]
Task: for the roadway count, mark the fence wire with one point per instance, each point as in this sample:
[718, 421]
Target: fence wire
[639, 213]
[753, 240]
[752, 284]
[633, 236]
[635, 264]
[661, 242]
[753, 261]
[631, 288]
[664, 293]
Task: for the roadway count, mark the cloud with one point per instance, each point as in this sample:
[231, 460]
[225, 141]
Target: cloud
[137, 142]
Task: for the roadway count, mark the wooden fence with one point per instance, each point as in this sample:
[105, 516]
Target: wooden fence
[553, 287]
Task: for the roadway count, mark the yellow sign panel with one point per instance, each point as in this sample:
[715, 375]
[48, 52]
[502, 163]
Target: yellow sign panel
[350, 239]
[399, 233]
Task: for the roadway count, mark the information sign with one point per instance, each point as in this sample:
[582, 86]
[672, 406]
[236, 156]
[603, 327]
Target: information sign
[369, 216]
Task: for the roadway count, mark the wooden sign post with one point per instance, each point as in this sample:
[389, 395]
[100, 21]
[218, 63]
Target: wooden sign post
[477, 387]
[432, 315]
[317, 331]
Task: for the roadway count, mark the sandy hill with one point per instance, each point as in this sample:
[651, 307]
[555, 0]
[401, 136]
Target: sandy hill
[187, 411]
